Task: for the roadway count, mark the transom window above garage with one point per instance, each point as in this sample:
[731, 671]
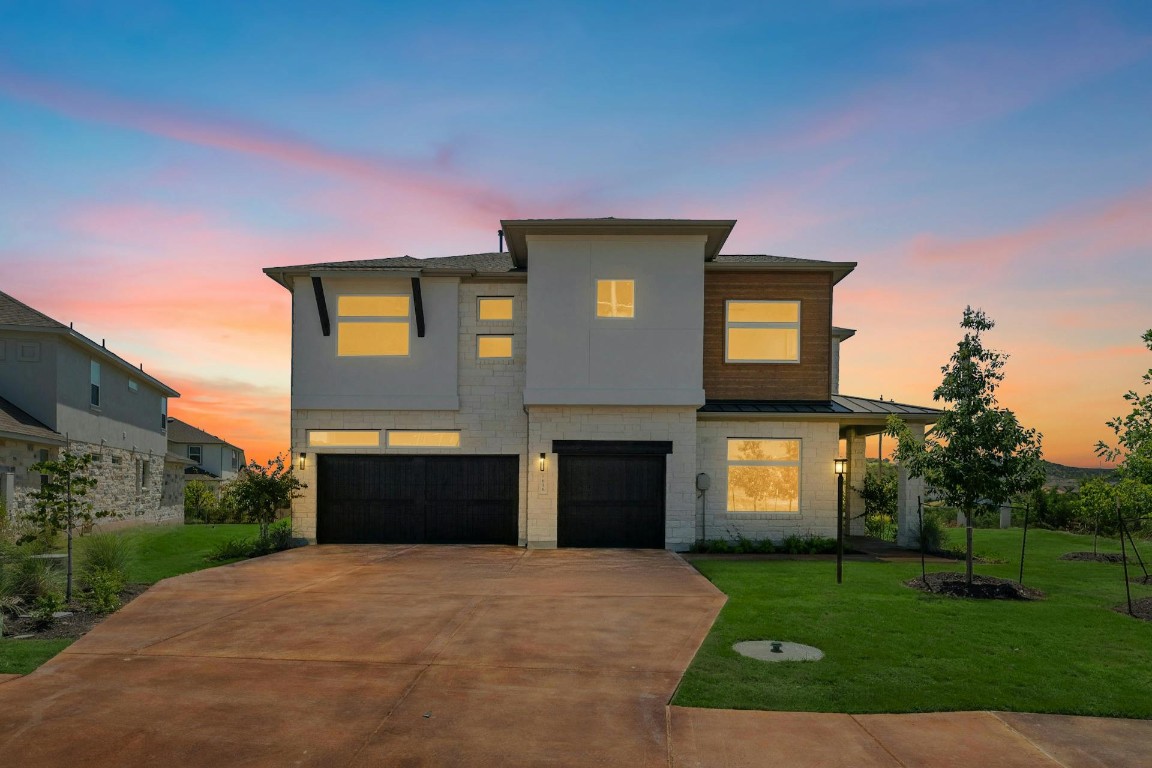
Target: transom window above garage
[763, 475]
[343, 438]
[373, 326]
[762, 332]
[421, 438]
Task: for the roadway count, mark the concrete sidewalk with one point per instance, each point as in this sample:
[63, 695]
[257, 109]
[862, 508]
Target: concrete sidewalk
[460, 656]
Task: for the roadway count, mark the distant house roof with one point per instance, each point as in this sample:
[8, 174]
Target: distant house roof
[843, 407]
[183, 432]
[17, 314]
[14, 422]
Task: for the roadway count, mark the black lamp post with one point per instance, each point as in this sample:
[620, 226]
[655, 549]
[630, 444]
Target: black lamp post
[841, 468]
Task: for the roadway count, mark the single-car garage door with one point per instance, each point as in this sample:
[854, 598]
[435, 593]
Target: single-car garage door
[417, 499]
[610, 499]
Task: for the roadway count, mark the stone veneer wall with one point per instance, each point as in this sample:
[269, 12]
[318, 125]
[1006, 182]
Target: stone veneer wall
[571, 422]
[491, 418]
[819, 446]
[121, 485]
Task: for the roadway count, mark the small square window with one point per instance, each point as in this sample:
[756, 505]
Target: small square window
[495, 308]
[493, 347]
[28, 352]
[615, 298]
[133, 386]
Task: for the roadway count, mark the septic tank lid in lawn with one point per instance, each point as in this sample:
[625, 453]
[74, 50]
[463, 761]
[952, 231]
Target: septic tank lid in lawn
[777, 650]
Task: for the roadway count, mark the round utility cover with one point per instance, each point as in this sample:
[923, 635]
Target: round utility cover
[777, 650]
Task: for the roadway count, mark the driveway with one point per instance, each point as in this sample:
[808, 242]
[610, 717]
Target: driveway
[377, 655]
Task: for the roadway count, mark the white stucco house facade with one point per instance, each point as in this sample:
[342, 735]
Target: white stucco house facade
[604, 382]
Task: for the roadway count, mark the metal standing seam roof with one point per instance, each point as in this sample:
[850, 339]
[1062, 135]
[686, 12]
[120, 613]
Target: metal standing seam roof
[839, 405]
[15, 421]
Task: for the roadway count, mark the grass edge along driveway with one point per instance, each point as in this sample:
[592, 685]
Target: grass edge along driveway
[893, 649]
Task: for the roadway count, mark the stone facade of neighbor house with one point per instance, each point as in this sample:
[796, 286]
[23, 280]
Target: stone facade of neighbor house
[605, 382]
[61, 390]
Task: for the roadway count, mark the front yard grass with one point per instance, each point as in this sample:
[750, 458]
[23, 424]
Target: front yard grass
[160, 552]
[889, 648]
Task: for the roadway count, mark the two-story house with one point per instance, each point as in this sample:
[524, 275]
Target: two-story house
[60, 389]
[209, 456]
[603, 383]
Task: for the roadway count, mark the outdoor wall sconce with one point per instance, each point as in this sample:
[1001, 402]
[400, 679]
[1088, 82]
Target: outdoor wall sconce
[542, 458]
[302, 457]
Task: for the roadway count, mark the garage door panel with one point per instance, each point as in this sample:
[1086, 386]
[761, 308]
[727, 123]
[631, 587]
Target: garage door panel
[417, 499]
[611, 501]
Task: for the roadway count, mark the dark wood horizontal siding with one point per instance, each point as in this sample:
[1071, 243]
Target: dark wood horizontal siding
[810, 379]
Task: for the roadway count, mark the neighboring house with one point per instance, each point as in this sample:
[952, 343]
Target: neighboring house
[607, 382]
[59, 389]
[211, 456]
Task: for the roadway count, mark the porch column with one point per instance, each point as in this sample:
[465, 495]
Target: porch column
[857, 468]
[908, 489]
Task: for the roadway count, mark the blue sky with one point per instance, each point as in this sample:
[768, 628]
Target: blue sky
[154, 156]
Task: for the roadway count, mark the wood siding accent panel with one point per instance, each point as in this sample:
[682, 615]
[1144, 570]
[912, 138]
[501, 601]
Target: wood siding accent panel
[810, 379]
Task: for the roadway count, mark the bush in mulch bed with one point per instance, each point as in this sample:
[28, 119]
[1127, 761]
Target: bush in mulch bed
[1141, 580]
[1096, 557]
[1141, 609]
[82, 620]
[983, 587]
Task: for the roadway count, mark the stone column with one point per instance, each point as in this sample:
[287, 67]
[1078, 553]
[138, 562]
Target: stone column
[857, 469]
[908, 489]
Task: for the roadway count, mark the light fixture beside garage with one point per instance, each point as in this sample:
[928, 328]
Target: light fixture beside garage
[543, 457]
[303, 456]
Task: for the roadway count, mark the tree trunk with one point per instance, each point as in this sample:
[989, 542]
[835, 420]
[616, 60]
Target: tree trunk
[968, 536]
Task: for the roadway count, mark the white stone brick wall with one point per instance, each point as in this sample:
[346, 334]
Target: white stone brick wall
[491, 418]
[675, 423]
[819, 446]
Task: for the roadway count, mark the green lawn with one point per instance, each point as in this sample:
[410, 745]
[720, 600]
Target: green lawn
[161, 552]
[889, 648]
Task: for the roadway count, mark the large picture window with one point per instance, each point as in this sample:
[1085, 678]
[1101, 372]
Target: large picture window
[372, 326]
[762, 332]
[763, 475]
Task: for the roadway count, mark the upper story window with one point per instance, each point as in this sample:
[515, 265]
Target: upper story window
[497, 308]
[196, 453]
[493, 347]
[762, 332]
[615, 298]
[235, 460]
[372, 326]
[133, 386]
[94, 382]
[763, 475]
[164, 415]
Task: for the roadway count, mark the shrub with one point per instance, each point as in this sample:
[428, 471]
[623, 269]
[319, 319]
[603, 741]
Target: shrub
[104, 554]
[232, 549]
[104, 589]
[28, 578]
[46, 606]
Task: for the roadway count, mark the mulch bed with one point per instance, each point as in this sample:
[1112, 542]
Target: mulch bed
[983, 587]
[1095, 557]
[69, 627]
[1141, 579]
[1142, 608]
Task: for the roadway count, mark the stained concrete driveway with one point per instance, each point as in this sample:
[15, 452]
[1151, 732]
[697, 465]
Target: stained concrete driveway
[373, 655]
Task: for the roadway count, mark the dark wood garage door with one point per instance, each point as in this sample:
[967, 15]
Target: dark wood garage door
[611, 501]
[417, 499]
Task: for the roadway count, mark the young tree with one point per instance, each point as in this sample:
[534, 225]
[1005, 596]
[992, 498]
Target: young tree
[261, 489]
[199, 501]
[880, 497]
[61, 504]
[977, 454]
[1133, 448]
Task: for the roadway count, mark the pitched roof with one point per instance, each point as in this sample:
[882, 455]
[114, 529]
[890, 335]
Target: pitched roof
[17, 313]
[481, 262]
[183, 432]
[14, 421]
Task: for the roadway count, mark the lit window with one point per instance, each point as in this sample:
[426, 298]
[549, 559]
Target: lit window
[493, 346]
[411, 438]
[763, 332]
[763, 475]
[495, 308]
[94, 381]
[344, 438]
[372, 326]
[196, 453]
[615, 298]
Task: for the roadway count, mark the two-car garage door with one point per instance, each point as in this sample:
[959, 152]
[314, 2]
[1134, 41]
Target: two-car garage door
[417, 499]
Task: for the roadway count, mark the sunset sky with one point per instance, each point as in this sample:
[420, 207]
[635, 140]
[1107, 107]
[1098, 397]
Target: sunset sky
[155, 156]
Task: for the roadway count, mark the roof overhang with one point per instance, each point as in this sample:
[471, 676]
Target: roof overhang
[839, 269]
[516, 231]
[35, 439]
